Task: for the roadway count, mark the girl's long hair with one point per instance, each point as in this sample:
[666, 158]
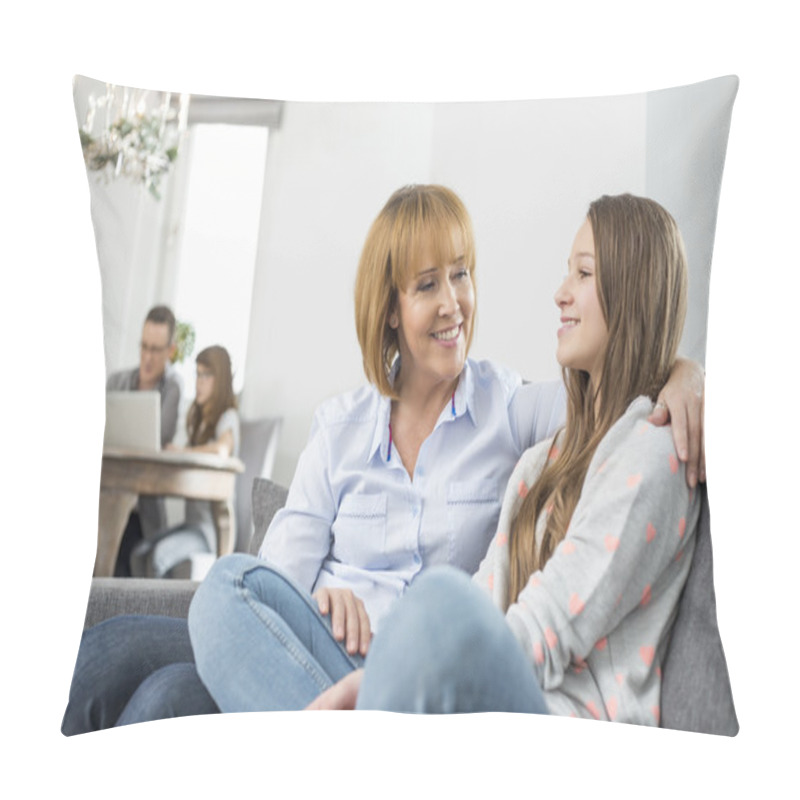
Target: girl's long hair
[641, 276]
[201, 421]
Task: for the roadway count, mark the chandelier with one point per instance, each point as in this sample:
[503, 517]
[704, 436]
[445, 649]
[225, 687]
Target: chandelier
[134, 133]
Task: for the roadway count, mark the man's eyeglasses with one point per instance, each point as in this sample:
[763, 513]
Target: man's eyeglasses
[153, 349]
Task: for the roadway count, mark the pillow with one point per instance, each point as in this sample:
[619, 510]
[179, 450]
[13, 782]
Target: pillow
[268, 499]
[302, 181]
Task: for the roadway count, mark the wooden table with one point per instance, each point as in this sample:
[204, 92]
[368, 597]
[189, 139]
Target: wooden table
[126, 474]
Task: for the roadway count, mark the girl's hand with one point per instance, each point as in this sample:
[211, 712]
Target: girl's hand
[681, 401]
[341, 696]
[349, 619]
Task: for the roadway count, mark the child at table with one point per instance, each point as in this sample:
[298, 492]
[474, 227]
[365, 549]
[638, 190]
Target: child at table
[212, 426]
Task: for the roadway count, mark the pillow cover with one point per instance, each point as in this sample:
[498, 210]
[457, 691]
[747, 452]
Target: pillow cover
[526, 171]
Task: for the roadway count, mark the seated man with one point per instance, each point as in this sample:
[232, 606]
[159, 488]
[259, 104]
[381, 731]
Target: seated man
[154, 373]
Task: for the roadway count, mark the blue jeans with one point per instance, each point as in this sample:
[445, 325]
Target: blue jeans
[133, 669]
[445, 648]
[260, 643]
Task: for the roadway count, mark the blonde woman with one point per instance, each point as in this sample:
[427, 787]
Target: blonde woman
[596, 534]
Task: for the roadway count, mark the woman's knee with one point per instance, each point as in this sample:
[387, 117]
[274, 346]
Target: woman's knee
[238, 578]
[237, 590]
[219, 588]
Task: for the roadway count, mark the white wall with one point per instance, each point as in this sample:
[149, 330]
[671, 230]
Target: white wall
[684, 168]
[527, 172]
[330, 168]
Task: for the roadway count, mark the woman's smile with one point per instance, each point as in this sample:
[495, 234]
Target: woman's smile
[448, 336]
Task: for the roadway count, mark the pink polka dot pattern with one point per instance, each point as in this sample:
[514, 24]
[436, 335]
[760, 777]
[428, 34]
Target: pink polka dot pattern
[651, 531]
[592, 709]
[502, 539]
[612, 543]
[620, 678]
[646, 595]
[490, 581]
[534, 580]
[553, 454]
[550, 637]
[602, 467]
[656, 711]
[522, 489]
[682, 527]
[575, 605]
[673, 463]
[568, 547]
[634, 481]
[538, 653]
[601, 645]
[647, 653]
[611, 708]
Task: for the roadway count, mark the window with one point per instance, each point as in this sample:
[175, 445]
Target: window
[218, 239]
[212, 237]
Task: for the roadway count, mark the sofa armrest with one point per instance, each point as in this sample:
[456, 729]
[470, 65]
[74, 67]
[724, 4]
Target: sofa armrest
[109, 597]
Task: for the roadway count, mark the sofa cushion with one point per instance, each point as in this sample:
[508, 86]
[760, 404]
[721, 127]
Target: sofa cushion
[696, 689]
[268, 497]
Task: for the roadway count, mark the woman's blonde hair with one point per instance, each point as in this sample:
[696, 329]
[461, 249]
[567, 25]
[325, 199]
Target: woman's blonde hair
[201, 421]
[417, 221]
[641, 276]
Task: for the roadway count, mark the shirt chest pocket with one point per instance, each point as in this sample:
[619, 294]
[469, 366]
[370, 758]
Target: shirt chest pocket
[359, 531]
[473, 508]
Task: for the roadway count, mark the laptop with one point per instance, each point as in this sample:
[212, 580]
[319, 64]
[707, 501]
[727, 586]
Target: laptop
[133, 421]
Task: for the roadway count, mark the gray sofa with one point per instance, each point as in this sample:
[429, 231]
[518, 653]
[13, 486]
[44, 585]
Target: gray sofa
[696, 691]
